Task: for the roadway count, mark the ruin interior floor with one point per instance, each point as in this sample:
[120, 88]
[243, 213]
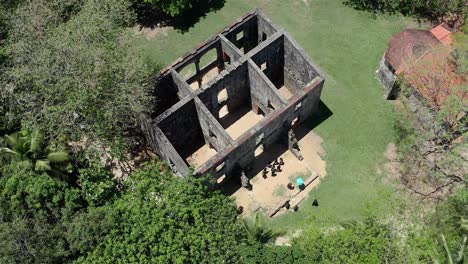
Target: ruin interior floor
[201, 156]
[285, 92]
[246, 121]
[206, 78]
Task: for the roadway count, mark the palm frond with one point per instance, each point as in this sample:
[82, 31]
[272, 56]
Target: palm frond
[256, 230]
[36, 141]
[447, 250]
[12, 139]
[42, 165]
[58, 157]
[7, 151]
[460, 254]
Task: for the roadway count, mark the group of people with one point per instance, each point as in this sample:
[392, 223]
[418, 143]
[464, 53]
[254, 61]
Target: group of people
[274, 167]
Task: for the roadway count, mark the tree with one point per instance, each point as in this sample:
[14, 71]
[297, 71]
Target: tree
[74, 75]
[28, 241]
[257, 231]
[451, 12]
[352, 242]
[27, 149]
[459, 255]
[258, 253]
[172, 7]
[164, 219]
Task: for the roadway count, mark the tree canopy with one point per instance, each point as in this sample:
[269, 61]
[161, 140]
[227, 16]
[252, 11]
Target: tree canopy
[172, 7]
[164, 219]
[71, 72]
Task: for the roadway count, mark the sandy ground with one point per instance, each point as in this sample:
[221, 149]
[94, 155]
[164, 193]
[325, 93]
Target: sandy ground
[286, 240]
[392, 166]
[206, 78]
[267, 194]
[201, 156]
[244, 123]
[285, 92]
[150, 33]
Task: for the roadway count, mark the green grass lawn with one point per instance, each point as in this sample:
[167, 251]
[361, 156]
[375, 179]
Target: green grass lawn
[347, 45]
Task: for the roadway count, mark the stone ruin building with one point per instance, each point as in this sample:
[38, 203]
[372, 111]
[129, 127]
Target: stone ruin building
[235, 94]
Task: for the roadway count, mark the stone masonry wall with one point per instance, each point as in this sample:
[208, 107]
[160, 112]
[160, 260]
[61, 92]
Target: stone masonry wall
[190, 117]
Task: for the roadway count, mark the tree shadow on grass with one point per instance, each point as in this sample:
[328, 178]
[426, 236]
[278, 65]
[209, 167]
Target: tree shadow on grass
[371, 6]
[150, 16]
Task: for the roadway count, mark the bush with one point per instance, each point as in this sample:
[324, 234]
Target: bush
[171, 7]
[165, 219]
[432, 10]
[355, 242]
[97, 184]
[258, 254]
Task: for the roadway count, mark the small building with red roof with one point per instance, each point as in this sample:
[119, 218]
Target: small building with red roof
[408, 48]
[423, 60]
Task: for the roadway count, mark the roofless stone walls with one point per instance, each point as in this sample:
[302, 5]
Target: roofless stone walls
[238, 92]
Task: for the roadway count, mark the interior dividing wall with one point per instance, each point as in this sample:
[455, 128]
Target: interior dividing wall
[182, 129]
[230, 52]
[235, 85]
[271, 61]
[213, 132]
[264, 93]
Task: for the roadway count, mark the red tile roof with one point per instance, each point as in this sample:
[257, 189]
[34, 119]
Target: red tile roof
[409, 45]
[443, 33]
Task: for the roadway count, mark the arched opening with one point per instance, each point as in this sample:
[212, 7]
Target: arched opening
[223, 111]
[222, 95]
[220, 166]
[259, 150]
[221, 179]
[295, 122]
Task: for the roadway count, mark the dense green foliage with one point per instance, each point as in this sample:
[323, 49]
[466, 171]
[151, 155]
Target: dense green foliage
[163, 219]
[355, 242]
[261, 254]
[450, 218]
[71, 72]
[172, 7]
[26, 151]
[427, 9]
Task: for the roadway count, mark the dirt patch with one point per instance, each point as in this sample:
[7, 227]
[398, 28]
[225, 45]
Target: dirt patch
[269, 193]
[392, 166]
[150, 32]
[391, 152]
[286, 240]
[121, 169]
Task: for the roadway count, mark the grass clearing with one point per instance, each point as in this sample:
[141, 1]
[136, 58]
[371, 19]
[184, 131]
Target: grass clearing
[347, 45]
